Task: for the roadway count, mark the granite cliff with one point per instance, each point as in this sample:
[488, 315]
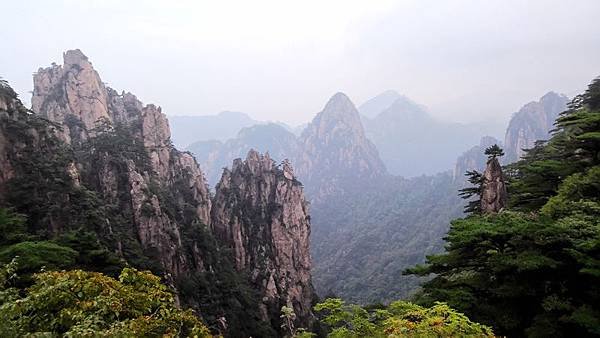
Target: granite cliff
[533, 122]
[87, 158]
[260, 212]
[336, 151]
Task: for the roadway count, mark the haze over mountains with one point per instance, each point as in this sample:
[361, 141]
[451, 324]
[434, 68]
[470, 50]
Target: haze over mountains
[369, 223]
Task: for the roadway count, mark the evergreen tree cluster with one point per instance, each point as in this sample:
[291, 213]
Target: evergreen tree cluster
[533, 270]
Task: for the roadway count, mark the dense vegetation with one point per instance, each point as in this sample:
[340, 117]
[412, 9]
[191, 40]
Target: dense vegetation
[363, 240]
[399, 319]
[78, 303]
[534, 270]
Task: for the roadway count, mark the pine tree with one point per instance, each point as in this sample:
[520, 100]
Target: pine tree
[475, 178]
[533, 270]
[494, 151]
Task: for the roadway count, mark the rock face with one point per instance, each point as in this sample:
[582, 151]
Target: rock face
[474, 158]
[335, 149]
[531, 123]
[493, 194]
[74, 96]
[260, 211]
[94, 160]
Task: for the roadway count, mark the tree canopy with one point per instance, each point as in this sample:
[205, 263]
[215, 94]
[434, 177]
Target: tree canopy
[533, 270]
[80, 303]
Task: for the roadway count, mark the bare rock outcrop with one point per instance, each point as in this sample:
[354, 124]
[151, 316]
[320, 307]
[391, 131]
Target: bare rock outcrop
[531, 123]
[336, 149]
[260, 212]
[74, 97]
[493, 192]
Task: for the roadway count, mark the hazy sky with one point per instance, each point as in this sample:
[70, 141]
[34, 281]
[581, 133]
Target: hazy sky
[280, 60]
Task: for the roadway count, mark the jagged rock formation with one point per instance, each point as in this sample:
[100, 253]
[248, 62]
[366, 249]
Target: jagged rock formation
[333, 150]
[355, 205]
[531, 123]
[73, 96]
[260, 211]
[94, 160]
[474, 158]
[493, 191]
[336, 151]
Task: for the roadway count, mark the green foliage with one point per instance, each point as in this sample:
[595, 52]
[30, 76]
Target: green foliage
[32, 256]
[378, 230]
[535, 270]
[220, 290]
[475, 178]
[399, 319]
[79, 303]
[12, 227]
[494, 151]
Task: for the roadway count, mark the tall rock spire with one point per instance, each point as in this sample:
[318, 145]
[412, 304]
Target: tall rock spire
[260, 212]
[493, 193]
[336, 149]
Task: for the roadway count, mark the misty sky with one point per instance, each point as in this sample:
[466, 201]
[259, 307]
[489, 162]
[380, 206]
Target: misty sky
[277, 60]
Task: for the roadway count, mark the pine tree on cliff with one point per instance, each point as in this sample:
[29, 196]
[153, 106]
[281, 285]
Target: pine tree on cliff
[534, 269]
[475, 178]
[493, 188]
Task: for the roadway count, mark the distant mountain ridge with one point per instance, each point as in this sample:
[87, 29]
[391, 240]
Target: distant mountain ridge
[214, 155]
[406, 135]
[221, 127]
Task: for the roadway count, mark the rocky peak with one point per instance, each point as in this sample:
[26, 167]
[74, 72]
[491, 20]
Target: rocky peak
[531, 123]
[493, 192]
[74, 96]
[73, 90]
[335, 148]
[260, 212]
[474, 158]
[339, 114]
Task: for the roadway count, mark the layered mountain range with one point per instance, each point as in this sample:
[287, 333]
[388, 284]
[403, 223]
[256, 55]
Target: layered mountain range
[91, 159]
[369, 225]
[359, 212]
[406, 135]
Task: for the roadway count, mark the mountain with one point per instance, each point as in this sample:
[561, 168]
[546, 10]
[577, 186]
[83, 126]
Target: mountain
[272, 138]
[95, 170]
[531, 123]
[261, 213]
[225, 125]
[363, 240]
[367, 226]
[406, 135]
[381, 102]
[335, 150]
